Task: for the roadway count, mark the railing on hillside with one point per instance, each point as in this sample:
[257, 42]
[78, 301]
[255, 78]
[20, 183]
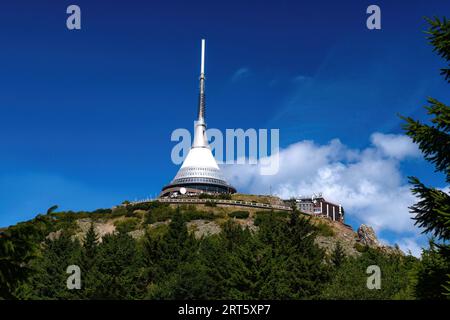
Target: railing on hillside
[227, 202]
[217, 201]
[232, 203]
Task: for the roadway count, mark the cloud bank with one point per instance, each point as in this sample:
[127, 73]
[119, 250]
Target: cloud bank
[367, 182]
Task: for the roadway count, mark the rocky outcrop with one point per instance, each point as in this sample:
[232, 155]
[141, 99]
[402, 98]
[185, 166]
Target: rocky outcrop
[367, 237]
[342, 234]
[352, 242]
[137, 234]
[202, 228]
[54, 235]
[101, 228]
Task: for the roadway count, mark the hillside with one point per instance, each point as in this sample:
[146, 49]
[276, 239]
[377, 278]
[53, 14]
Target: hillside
[204, 220]
[156, 250]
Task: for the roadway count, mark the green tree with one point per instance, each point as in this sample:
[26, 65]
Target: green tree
[164, 255]
[431, 273]
[338, 256]
[17, 249]
[288, 263]
[349, 281]
[90, 244]
[89, 263]
[52, 209]
[118, 269]
[49, 281]
[440, 39]
[432, 212]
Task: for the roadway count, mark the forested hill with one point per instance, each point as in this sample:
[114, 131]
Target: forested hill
[160, 251]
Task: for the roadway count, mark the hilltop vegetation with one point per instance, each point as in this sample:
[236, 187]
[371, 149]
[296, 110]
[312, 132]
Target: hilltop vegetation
[157, 252]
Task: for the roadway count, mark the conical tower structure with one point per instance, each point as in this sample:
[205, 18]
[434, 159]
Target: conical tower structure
[199, 172]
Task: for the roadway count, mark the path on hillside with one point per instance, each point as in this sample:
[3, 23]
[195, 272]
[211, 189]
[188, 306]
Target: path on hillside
[223, 202]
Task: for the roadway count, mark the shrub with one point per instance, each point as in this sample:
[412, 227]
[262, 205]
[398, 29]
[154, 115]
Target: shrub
[119, 211]
[137, 214]
[102, 211]
[360, 247]
[261, 216]
[210, 204]
[187, 207]
[222, 196]
[127, 225]
[196, 215]
[159, 213]
[157, 231]
[146, 206]
[324, 229]
[239, 214]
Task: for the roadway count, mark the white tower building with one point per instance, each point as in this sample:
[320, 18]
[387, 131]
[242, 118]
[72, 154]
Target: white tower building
[199, 171]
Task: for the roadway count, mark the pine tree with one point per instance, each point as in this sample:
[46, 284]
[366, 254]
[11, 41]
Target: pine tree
[176, 246]
[165, 255]
[431, 273]
[338, 255]
[50, 278]
[16, 251]
[349, 281]
[118, 269]
[286, 262]
[90, 246]
[432, 212]
[89, 263]
[440, 39]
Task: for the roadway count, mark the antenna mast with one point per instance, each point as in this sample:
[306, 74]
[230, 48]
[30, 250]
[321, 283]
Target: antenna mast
[201, 100]
[202, 68]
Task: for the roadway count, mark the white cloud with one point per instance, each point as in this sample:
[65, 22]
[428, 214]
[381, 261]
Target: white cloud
[410, 244]
[367, 182]
[446, 189]
[240, 73]
[395, 146]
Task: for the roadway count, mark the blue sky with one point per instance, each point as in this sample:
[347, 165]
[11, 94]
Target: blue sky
[86, 116]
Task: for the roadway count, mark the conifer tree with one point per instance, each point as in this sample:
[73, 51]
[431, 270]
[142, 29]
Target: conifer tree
[175, 247]
[118, 268]
[90, 246]
[165, 256]
[430, 274]
[50, 278]
[89, 265]
[432, 212]
[338, 255]
[16, 251]
[349, 281]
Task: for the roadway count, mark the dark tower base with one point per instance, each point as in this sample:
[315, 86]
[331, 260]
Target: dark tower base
[196, 189]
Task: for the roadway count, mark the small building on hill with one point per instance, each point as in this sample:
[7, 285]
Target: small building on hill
[316, 205]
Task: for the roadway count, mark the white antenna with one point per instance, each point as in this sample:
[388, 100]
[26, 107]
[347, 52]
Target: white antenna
[202, 68]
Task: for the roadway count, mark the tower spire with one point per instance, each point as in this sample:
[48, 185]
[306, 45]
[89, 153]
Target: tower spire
[199, 172]
[200, 139]
[201, 99]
